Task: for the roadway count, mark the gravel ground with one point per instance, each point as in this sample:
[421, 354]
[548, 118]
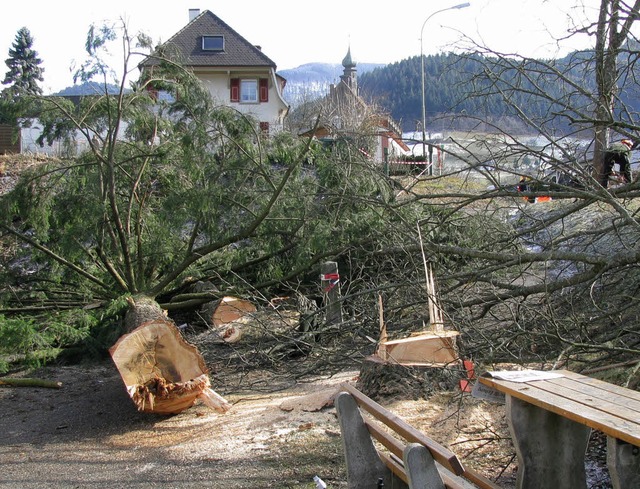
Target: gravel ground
[88, 434]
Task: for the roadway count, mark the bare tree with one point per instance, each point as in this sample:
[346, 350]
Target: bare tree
[612, 34]
[553, 281]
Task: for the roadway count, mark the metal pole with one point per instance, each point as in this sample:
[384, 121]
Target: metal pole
[424, 102]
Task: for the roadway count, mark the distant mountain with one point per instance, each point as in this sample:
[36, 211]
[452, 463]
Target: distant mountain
[306, 82]
[312, 80]
[87, 88]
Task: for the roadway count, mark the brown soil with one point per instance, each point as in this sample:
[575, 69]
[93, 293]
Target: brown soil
[89, 434]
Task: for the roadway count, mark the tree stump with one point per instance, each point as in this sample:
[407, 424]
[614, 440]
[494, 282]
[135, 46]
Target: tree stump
[223, 316]
[379, 379]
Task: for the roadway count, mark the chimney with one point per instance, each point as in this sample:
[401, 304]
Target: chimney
[193, 13]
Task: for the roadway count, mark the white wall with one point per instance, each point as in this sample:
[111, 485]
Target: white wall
[29, 135]
[218, 86]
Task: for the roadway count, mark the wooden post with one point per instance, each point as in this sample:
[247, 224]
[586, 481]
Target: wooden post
[435, 313]
[330, 283]
[382, 347]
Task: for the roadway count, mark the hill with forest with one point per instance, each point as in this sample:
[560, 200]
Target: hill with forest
[88, 88]
[459, 84]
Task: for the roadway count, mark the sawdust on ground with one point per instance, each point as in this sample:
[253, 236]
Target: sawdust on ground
[89, 434]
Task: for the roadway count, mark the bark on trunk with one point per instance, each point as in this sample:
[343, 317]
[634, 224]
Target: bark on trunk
[379, 379]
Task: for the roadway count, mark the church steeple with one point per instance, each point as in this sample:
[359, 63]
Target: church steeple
[347, 62]
[350, 75]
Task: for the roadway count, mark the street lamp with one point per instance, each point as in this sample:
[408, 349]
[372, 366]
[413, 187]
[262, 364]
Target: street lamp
[424, 103]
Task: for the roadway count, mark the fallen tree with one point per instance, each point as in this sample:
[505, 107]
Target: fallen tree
[162, 372]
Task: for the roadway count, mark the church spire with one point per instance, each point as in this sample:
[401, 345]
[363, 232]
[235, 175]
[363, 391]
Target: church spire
[347, 62]
[349, 75]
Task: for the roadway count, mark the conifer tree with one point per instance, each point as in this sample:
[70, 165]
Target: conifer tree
[24, 67]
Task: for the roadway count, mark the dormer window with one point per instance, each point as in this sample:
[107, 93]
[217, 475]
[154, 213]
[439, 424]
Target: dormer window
[213, 43]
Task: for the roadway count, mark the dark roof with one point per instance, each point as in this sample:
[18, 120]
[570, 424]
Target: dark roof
[187, 45]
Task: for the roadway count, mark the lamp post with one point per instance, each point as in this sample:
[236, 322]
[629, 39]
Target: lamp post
[424, 103]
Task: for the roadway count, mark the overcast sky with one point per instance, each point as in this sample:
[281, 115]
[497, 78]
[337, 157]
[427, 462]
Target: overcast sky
[293, 33]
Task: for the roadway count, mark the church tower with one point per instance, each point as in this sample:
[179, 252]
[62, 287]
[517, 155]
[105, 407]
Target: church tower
[350, 75]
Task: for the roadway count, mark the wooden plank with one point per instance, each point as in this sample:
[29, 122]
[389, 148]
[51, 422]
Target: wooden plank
[535, 393]
[479, 480]
[397, 448]
[441, 454]
[394, 466]
[451, 482]
[601, 384]
[609, 398]
[388, 441]
[611, 402]
[616, 412]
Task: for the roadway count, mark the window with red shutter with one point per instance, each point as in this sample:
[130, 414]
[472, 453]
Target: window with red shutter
[264, 90]
[235, 90]
[152, 91]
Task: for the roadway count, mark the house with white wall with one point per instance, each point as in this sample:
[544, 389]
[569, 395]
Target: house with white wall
[236, 73]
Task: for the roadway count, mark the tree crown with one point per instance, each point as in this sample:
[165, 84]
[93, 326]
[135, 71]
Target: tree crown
[24, 67]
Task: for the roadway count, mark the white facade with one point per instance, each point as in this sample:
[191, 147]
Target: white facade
[236, 72]
[59, 148]
[272, 111]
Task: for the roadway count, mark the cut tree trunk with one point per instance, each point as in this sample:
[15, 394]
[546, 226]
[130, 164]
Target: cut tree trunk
[162, 372]
[222, 316]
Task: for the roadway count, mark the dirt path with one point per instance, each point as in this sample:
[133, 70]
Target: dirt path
[88, 434]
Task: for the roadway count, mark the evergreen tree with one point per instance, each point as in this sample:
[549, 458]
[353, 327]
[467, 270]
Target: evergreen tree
[24, 67]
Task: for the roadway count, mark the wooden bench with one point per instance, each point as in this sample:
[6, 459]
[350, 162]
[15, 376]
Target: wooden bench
[551, 421]
[404, 457]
